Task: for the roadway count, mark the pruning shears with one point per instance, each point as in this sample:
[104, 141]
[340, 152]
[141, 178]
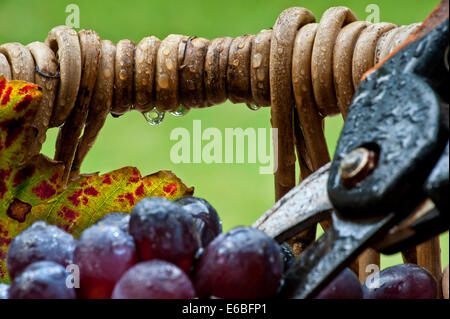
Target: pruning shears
[387, 186]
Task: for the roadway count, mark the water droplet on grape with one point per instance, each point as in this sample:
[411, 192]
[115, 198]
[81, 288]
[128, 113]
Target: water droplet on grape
[154, 117]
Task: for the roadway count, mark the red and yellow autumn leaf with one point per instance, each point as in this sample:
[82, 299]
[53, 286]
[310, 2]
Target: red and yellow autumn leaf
[35, 191]
[89, 198]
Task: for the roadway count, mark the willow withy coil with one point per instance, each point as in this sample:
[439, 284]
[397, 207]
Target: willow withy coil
[304, 70]
[321, 62]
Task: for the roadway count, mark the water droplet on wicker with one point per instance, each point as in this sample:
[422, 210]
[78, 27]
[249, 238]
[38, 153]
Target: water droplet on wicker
[253, 107]
[280, 51]
[166, 51]
[163, 81]
[236, 62]
[241, 45]
[190, 85]
[169, 65]
[260, 75]
[257, 60]
[154, 117]
[107, 73]
[180, 111]
[123, 75]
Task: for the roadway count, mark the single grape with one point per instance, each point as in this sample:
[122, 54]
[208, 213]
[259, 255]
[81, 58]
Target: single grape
[154, 279]
[163, 230]
[39, 242]
[205, 217]
[345, 286]
[120, 220]
[4, 288]
[288, 256]
[243, 263]
[405, 281]
[103, 254]
[42, 280]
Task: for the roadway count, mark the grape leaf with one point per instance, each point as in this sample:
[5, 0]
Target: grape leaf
[32, 189]
[87, 199]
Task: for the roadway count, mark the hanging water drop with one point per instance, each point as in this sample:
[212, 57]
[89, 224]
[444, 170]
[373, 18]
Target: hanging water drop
[180, 111]
[154, 117]
[253, 107]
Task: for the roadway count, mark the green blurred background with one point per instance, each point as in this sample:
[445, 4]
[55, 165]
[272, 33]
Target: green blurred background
[238, 191]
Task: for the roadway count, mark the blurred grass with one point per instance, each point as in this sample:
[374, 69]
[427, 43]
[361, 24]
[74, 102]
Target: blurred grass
[238, 191]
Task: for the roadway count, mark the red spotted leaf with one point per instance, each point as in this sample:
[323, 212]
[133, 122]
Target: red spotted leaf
[90, 197]
[32, 189]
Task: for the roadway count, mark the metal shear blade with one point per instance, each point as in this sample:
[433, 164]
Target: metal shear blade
[330, 254]
[304, 206]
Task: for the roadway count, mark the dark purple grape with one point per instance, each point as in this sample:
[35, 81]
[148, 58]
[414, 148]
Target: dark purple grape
[405, 281]
[39, 242]
[4, 288]
[42, 280]
[154, 279]
[205, 217]
[103, 254]
[288, 256]
[345, 286]
[243, 263]
[120, 220]
[163, 230]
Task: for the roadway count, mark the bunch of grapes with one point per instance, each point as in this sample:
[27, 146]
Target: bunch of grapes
[173, 250]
